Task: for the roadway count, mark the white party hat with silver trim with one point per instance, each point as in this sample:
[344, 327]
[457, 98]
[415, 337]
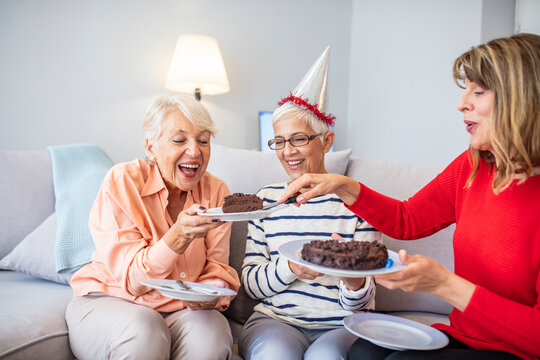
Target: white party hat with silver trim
[310, 93]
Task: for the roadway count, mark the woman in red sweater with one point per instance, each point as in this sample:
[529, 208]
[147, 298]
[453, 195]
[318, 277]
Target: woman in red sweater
[492, 193]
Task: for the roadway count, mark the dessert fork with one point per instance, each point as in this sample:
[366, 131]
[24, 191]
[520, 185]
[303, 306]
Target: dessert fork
[183, 286]
[290, 200]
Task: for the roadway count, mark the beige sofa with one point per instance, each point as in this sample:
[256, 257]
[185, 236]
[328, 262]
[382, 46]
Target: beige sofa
[33, 297]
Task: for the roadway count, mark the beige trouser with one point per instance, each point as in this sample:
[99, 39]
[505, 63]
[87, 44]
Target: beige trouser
[107, 327]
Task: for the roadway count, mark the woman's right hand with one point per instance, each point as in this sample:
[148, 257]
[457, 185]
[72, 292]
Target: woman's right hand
[188, 227]
[312, 185]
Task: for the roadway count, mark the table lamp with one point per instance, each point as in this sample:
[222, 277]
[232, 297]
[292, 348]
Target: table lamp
[197, 67]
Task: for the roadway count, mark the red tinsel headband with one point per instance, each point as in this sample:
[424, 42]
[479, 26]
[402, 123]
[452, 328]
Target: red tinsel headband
[326, 118]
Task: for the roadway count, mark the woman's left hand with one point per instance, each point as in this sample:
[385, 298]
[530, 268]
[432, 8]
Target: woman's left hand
[427, 275]
[354, 284]
[421, 274]
[206, 305]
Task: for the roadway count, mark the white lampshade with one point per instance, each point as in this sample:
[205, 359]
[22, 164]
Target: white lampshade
[197, 64]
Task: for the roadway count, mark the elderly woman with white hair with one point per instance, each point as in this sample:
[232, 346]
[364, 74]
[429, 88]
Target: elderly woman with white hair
[145, 225]
[301, 311]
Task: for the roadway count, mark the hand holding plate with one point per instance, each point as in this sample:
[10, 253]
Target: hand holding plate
[303, 272]
[188, 227]
[354, 284]
[422, 274]
[427, 275]
[201, 305]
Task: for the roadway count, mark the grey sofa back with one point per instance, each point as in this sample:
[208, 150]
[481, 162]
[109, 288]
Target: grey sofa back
[26, 196]
[401, 181]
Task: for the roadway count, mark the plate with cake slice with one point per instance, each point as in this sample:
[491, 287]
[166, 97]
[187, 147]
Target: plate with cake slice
[350, 259]
[217, 213]
[241, 207]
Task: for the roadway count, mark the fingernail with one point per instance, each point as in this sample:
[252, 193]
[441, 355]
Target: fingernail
[202, 208]
[300, 199]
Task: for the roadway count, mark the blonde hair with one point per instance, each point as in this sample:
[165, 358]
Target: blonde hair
[510, 68]
[167, 103]
[292, 110]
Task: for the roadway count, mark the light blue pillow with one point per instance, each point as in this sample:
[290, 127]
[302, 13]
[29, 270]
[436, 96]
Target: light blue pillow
[78, 171]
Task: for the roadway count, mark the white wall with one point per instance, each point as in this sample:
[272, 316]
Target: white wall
[85, 71]
[498, 19]
[402, 97]
[528, 16]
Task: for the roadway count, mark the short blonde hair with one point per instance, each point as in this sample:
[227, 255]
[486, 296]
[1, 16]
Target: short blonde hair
[510, 68]
[292, 110]
[167, 103]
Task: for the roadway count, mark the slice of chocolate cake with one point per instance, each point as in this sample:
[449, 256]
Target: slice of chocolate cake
[239, 202]
[347, 255]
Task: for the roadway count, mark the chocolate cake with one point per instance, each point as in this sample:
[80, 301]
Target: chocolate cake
[239, 202]
[347, 255]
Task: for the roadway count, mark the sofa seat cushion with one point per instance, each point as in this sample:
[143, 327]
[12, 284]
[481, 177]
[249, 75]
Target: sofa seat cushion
[33, 318]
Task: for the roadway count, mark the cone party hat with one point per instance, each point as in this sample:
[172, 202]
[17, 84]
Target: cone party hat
[310, 93]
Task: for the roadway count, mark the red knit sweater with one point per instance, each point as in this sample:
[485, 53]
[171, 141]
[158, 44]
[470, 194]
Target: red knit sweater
[496, 247]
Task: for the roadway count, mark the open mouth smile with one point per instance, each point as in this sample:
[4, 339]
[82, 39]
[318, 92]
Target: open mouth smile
[189, 170]
[294, 164]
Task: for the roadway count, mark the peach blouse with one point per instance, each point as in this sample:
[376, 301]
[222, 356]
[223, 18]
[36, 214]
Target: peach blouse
[127, 222]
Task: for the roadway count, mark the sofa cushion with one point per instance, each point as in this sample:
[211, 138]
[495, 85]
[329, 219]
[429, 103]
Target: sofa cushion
[35, 254]
[78, 171]
[242, 305]
[27, 184]
[32, 317]
[247, 171]
[401, 181]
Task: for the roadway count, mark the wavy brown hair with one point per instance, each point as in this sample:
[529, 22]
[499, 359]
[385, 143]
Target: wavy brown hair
[510, 68]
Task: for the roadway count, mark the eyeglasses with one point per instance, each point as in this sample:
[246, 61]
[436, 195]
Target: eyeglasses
[296, 141]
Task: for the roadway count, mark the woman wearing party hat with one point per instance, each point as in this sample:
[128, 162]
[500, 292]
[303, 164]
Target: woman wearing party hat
[301, 311]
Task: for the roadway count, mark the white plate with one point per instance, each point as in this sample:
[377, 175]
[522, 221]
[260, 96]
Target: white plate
[395, 333]
[168, 288]
[218, 213]
[291, 251]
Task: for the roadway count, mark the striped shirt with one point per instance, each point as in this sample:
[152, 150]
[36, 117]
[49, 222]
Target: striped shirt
[321, 302]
